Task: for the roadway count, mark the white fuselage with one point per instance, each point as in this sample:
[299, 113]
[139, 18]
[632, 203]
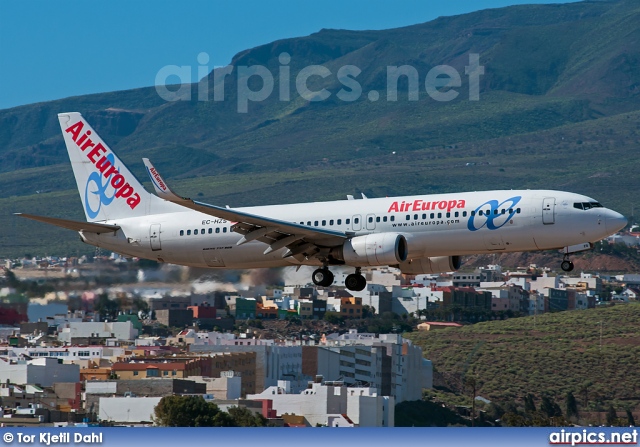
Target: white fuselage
[433, 225]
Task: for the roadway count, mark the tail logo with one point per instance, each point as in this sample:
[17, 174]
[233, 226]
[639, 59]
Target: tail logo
[100, 191]
[106, 166]
[156, 179]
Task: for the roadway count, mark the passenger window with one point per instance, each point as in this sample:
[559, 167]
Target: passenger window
[503, 211]
[348, 221]
[356, 220]
[480, 213]
[210, 230]
[331, 222]
[415, 217]
[339, 221]
[315, 224]
[510, 210]
[224, 230]
[188, 232]
[370, 219]
[324, 223]
[384, 219]
[301, 223]
[378, 219]
[448, 215]
[495, 212]
[433, 216]
[473, 213]
[518, 211]
[464, 214]
[202, 231]
[439, 215]
[195, 232]
[181, 232]
[218, 230]
[408, 217]
[457, 214]
[393, 218]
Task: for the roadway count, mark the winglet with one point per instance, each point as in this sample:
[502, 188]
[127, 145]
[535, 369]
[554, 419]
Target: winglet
[161, 187]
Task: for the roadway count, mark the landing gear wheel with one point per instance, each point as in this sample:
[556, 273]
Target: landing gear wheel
[322, 277]
[355, 282]
[566, 265]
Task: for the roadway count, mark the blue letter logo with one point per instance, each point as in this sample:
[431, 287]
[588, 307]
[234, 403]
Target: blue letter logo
[100, 191]
[492, 214]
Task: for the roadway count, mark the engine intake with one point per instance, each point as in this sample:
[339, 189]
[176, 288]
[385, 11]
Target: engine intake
[373, 250]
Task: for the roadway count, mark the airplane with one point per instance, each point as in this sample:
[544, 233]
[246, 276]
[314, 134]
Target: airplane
[418, 234]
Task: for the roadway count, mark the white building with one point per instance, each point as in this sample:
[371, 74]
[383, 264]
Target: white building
[389, 362]
[43, 372]
[323, 403]
[128, 410]
[71, 353]
[121, 331]
[225, 387]
[545, 282]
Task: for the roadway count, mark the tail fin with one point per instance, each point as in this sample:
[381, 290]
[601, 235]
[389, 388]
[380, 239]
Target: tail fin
[108, 190]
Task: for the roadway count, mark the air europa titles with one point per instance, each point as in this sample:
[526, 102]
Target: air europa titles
[421, 205]
[122, 188]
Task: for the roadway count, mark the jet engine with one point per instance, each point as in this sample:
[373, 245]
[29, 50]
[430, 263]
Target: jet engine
[373, 250]
[439, 264]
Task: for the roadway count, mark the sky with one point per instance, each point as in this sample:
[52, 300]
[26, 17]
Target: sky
[56, 49]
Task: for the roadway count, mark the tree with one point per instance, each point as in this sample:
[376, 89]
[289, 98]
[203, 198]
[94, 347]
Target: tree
[529, 404]
[106, 308]
[190, 411]
[571, 406]
[630, 420]
[612, 416]
[549, 408]
[243, 417]
[368, 311]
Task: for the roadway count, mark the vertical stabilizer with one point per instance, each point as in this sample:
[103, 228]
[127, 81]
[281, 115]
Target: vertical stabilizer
[108, 190]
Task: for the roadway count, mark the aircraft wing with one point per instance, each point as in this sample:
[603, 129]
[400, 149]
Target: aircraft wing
[277, 234]
[86, 227]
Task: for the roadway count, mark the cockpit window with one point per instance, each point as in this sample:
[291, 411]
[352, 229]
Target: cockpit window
[586, 205]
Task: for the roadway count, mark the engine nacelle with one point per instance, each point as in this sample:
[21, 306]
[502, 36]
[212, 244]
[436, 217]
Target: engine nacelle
[374, 250]
[440, 264]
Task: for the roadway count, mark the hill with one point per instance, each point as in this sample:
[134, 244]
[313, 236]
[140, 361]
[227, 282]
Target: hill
[591, 353]
[559, 108]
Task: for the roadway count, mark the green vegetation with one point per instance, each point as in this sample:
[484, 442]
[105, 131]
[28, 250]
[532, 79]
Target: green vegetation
[571, 364]
[194, 411]
[559, 109]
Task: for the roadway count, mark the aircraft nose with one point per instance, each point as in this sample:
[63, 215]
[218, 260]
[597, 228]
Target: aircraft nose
[615, 222]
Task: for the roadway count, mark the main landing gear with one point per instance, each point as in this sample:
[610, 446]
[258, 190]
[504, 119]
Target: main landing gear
[566, 265]
[355, 281]
[324, 278]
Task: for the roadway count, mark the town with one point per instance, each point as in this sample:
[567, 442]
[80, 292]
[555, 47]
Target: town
[102, 339]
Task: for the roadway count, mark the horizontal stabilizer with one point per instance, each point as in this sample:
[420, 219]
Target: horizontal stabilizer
[86, 227]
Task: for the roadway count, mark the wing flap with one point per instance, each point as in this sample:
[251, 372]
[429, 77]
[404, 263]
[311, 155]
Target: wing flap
[87, 227]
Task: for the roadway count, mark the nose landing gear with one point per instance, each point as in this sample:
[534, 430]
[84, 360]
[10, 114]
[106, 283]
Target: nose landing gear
[566, 265]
